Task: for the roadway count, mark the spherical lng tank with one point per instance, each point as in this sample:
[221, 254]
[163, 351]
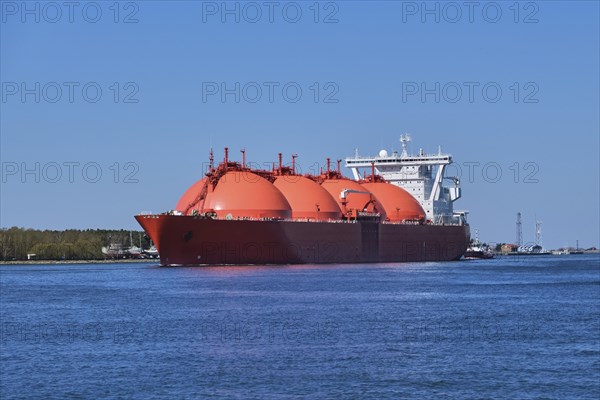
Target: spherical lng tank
[189, 198]
[307, 198]
[399, 205]
[242, 194]
[357, 197]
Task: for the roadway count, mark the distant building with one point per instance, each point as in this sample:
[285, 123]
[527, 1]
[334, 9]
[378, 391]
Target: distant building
[508, 248]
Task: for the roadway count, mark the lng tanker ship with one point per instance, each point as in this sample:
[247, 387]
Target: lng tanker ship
[397, 210]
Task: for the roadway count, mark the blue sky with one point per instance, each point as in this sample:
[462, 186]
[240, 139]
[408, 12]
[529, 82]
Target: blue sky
[161, 67]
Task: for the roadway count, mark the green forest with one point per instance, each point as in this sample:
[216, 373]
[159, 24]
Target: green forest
[72, 244]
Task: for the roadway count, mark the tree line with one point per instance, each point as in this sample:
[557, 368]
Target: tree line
[71, 244]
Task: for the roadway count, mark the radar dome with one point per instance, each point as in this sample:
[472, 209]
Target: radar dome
[307, 198]
[383, 153]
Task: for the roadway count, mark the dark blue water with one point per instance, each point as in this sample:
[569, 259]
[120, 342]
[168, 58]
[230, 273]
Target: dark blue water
[504, 328]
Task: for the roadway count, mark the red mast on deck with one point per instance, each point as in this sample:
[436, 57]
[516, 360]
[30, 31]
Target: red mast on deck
[294, 156]
[280, 163]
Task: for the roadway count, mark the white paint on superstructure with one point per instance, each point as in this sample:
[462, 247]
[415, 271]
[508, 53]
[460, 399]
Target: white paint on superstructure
[420, 175]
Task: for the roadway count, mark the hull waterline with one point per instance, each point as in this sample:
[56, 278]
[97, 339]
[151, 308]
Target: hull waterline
[194, 240]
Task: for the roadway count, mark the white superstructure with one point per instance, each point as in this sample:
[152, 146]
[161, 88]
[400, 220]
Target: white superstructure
[422, 175]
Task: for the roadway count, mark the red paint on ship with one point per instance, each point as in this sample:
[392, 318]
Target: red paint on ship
[356, 197]
[236, 215]
[307, 198]
[399, 205]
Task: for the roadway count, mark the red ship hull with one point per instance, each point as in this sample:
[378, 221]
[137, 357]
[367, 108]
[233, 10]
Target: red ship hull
[191, 240]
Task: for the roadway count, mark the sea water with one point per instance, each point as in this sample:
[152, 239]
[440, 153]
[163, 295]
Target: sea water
[504, 328]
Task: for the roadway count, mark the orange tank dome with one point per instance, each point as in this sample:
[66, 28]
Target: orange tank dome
[307, 198]
[239, 194]
[399, 205]
[358, 201]
[190, 196]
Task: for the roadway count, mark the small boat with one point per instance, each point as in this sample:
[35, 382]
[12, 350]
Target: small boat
[478, 250]
[152, 252]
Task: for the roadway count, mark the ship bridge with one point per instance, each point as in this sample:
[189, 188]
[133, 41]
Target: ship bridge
[421, 175]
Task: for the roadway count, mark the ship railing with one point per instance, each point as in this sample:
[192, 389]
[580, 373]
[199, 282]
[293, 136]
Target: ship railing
[389, 159]
[405, 222]
[440, 220]
[455, 219]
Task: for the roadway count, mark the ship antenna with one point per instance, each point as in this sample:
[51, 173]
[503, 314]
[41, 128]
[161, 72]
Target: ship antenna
[226, 157]
[243, 151]
[328, 165]
[294, 156]
[404, 139]
[519, 230]
[211, 157]
[338, 167]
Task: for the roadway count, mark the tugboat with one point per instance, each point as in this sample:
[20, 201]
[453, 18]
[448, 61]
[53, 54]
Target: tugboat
[478, 250]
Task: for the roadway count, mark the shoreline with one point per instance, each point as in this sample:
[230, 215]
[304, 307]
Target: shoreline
[157, 260]
[46, 262]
